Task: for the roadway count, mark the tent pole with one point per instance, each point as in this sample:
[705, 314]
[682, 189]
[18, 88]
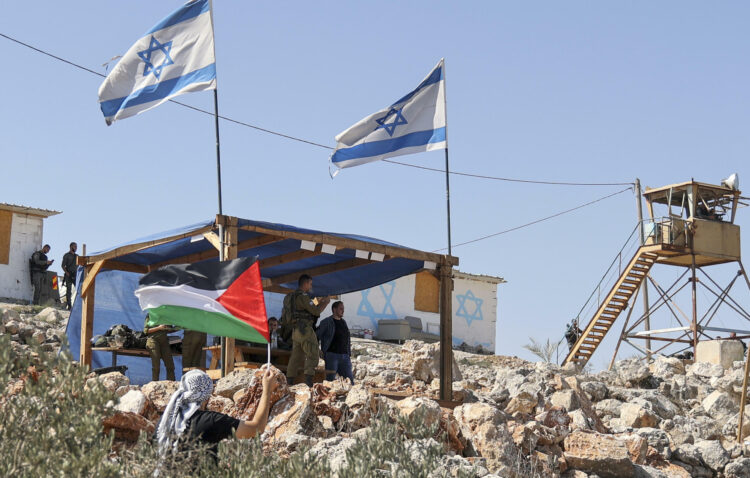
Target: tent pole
[221, 225]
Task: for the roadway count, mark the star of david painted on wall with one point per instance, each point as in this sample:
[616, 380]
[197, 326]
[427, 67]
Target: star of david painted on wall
[462, 311]
[146, 54]
[390, 128]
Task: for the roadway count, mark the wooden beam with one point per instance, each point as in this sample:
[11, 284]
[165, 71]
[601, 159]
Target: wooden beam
[124, 266]
[87, 320]
[90, 276]
[121, 251]
[213, 238]
[211, 253]
[317, 271]
[349, 243]
[446, 331]
[289, 257]
[277, 288]
[230, 252]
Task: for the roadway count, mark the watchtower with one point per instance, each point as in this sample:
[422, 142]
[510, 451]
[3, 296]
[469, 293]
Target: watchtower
[691, 227]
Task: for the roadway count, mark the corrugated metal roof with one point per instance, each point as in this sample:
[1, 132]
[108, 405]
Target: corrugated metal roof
[28, 210]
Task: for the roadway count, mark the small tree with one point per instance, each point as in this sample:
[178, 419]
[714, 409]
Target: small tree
[545, 351]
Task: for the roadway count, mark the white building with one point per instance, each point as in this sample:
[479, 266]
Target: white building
[417, 295]
[21, 233]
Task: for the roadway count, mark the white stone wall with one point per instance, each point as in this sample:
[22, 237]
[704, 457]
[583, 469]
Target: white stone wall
[25, 238]
[474, 308]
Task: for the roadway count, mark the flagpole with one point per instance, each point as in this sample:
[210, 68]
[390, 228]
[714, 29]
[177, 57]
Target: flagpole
[218, 184]
[447, 168]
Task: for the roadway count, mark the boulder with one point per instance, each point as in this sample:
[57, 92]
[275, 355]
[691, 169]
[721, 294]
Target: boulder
[579, 420]
[113, 380]
[487, 435]
[8, 315]
[739, 468]
[238, 379]
[12, 327]
[595, 390]
[567, 399]
[133, 401]
[637, 416]
[656, 439]
[637, 447]
[631, 372]
[427, 409]
[159, 393]
[334, 449]
[38, 337]
[597, 453]
[712, 453]
[50, 315]
[422, 361]
[248, 402]
[292, 415]
[220, 404]
[705, 370]
[522, 404]
[720, 405]
[127, 426]
[362, 405]
[665, 367]
[608, 407]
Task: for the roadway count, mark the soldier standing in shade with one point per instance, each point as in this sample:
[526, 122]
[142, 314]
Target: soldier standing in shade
[304, 341]
[192, 349]
[69, 266]
[39, 265]
[157, 344]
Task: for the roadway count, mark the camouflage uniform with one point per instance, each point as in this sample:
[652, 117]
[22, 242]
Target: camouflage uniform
[304, 341]
[192, 349]
[157, 345]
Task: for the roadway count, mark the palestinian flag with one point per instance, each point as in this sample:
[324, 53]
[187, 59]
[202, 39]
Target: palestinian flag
[219, 298]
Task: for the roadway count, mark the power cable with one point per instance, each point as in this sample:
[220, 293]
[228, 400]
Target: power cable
[535, 222]
[312, 143]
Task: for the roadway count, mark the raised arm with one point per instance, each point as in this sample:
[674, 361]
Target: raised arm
[251, 428]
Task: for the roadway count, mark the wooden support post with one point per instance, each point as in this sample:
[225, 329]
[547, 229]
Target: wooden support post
[743, 400]
[230, 252]
[87, 318]
[446, 331]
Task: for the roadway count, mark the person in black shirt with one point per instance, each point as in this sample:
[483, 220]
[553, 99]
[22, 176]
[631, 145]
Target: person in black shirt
[336, 343]
[185, 414]
[39, 265]
[69, 266]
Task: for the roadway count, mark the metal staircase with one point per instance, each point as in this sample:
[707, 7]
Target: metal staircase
[615, 302]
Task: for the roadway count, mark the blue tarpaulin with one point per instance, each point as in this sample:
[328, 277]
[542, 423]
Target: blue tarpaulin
[115, 303]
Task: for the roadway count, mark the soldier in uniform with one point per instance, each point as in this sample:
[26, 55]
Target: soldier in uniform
[304, 341]
[192, 348]
[69, 266]
[157, 344]
[39, 265]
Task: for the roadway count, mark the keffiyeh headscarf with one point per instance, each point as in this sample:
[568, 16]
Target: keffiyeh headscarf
[195, 387]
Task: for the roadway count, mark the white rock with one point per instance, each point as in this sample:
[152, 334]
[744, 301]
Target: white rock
[719, 405]
[705, 370]
[134, 401]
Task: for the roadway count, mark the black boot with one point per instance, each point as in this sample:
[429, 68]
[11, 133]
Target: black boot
[309, 380]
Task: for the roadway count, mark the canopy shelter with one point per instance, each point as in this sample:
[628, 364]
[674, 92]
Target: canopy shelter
[339, 263]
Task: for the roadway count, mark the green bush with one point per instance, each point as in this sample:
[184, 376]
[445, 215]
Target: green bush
[53, 428]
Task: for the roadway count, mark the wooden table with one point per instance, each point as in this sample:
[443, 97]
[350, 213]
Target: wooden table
[281, 355]
[132, 352]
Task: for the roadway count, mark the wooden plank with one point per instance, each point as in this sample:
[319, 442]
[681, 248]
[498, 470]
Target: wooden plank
[289, 257]
[124, 266]
[231, 235]
[121, 251]
[427, 292]
[87, 321]
[211, 253]
[213, 238]
[6, 222]
[349, 243]
[91, 273]
[317, 271]
[446, 331]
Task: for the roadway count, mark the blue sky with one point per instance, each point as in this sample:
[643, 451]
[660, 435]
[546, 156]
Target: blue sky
[570, 91]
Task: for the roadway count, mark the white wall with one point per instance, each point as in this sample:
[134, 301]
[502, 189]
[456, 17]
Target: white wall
[25, 238]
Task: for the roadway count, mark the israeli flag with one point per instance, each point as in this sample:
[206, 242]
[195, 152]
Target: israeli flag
[174, 57]
[413, 124]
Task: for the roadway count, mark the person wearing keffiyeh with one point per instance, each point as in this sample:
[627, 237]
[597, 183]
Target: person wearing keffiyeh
[185, 413]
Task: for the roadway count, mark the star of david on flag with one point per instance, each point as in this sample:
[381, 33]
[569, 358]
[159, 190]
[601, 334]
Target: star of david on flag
[413, 124]
[176, 56]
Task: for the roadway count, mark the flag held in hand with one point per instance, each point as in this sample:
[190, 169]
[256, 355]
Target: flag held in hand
[219, 298]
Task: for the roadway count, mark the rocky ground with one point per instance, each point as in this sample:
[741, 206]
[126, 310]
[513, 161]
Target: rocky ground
[665, 418]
